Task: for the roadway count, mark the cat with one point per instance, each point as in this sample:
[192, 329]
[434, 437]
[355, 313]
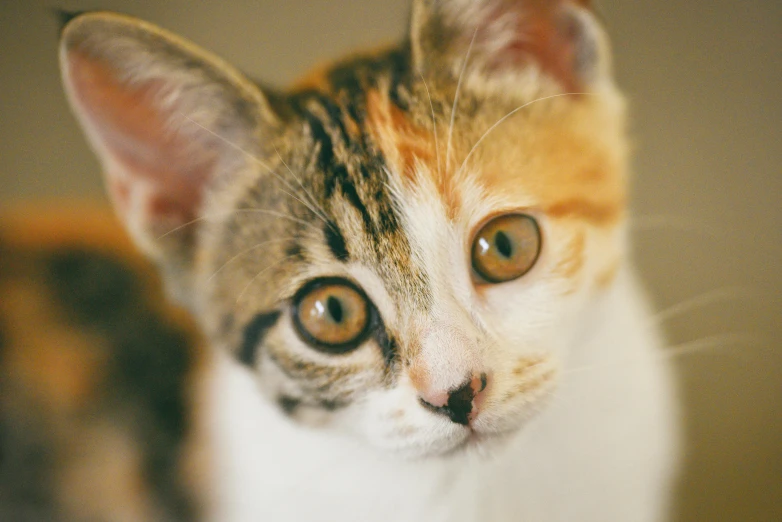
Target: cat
[412, 265]
[99, 417]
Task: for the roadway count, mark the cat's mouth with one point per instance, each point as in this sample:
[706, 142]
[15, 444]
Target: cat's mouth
[487, 425]
[481, 443]
[493, 432]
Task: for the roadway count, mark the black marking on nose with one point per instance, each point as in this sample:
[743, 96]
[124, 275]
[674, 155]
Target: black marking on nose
[459, 404]
[253, 336]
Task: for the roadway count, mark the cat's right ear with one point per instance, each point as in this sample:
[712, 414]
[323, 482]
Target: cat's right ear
[167, 121]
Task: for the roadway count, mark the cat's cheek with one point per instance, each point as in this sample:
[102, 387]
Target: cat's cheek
[519, 398]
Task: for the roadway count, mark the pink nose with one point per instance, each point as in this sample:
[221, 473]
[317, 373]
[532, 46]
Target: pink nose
[459, 404]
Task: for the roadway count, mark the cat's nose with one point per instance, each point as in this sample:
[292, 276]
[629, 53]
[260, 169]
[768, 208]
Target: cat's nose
[459, 404]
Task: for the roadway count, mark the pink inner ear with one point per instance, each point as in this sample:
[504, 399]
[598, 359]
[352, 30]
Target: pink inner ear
[150, 167]
[545, 32]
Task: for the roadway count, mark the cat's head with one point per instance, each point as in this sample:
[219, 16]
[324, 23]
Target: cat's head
[406, 244]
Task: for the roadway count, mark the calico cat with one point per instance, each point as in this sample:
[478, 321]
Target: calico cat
[412, 265]
[98, 377]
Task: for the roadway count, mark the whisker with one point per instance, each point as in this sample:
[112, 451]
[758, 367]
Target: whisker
[713, 296]
[434, 126]
[456, 101]
[243, 252]
[511, 113]
[723, 340]
[256, 160]
[263, 271]
[715, 341]
[228, 142]
[322, 213]
[237, 210]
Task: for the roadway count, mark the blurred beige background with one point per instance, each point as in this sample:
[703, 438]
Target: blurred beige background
[704, 79]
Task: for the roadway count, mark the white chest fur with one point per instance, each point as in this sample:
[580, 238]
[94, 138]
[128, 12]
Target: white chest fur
[604, 449]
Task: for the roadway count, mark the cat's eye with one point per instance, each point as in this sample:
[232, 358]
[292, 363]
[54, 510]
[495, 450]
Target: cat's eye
[331, 315]
[506, 248]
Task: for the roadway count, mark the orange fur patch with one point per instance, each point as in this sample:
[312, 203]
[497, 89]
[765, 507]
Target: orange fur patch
[530, 379]
[403, 143]
[317, 78]
[56, 224]
[606, 276]
[555, 160]
[534, 382]
[57, 370]
[571, 260]
[60, 362]
[60, 366]
[523, 365]
[108, 479]
[597, 213]
[407, 147]
[419, 377]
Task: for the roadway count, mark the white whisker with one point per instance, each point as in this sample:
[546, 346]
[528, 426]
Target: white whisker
[714, 341]
[257, 160]
[690, 347]
[243, 252]
[237, 210]
[434, 126]
[456, 101]
[320, 211]
[263, 271]
[707, 298]
[501, 120]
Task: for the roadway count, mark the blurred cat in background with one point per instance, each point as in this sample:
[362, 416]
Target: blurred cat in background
[412, 266]
[98, 377]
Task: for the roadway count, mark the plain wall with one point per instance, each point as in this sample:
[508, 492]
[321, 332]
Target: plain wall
[703, 78]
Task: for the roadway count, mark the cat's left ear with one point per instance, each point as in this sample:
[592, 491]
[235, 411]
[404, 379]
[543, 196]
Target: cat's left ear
[505, 41]
[167, 121]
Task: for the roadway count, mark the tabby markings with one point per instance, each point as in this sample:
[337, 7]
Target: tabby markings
[288, 404]
[253, 335]
[336, 242]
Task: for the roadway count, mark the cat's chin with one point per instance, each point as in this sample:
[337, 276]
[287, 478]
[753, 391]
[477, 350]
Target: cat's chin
[482, 444]
[472, 443]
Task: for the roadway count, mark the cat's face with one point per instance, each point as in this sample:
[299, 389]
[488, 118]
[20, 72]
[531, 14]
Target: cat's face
[404, 246]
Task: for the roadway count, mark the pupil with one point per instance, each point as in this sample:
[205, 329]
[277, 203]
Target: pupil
[503, 244]
[335, 308]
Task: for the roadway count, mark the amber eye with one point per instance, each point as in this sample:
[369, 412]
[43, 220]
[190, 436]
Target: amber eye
[332, 315]
[506, 248]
